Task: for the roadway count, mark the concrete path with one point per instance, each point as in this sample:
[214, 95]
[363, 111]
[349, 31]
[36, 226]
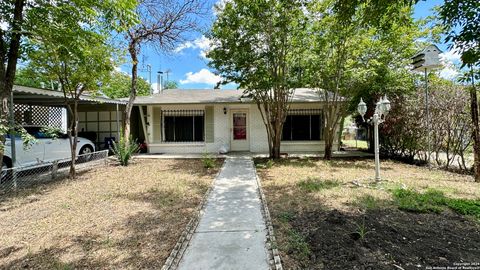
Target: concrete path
[231, 233]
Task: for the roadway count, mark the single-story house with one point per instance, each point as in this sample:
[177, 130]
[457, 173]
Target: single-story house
[197, 121]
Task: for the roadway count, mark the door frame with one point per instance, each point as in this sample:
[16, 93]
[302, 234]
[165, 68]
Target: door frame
[247, 141]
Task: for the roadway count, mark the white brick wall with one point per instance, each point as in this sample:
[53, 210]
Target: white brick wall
[222, 134]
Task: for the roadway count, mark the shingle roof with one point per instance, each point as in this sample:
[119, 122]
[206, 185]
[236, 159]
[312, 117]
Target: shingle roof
[202, 96]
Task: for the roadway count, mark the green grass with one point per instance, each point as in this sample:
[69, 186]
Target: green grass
[465, 207]
[434, 201]
[368, 202]
[312, 184]
[286, 216]
[298, 245]
[358, 144]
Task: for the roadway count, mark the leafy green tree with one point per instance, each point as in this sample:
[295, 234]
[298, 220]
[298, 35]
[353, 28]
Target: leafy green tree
[257, 44]
[349, 60]
[22, 20]
[462, 26]
[171, 85]
[72, 48]
[119, 84]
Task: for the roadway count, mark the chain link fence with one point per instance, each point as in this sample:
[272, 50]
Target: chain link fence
[27, 176]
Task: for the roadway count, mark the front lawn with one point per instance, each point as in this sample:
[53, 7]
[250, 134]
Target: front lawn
[329, 215]
[110, 218]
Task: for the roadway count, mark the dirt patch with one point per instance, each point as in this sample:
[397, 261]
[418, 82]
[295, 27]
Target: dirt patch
[109, 218]
[380, 239]
[352, 224]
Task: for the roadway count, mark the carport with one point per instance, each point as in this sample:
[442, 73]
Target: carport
[100, 118]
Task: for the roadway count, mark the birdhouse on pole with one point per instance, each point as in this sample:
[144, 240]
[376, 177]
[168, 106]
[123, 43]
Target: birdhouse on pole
[427, 59]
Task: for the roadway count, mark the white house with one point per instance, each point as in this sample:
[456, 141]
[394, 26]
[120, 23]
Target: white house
[198, 121]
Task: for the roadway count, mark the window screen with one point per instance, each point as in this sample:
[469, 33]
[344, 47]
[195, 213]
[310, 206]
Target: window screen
[303, 125]
[183, 126]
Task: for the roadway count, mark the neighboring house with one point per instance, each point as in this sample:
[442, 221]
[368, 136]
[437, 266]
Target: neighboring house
[197, 121]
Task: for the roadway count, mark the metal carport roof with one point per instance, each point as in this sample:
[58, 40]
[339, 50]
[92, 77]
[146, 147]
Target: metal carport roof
[45, 97]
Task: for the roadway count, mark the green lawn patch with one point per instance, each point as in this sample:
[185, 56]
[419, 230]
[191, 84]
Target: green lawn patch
[434, 201]
[312, 184]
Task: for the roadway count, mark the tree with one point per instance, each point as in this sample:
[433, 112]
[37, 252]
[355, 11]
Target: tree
[462, 27]
[162, 24]
[350, 59]
[28, 77]
[119, 84]
[171, 85]
[72, 48]
[22, 20]
[261, 55]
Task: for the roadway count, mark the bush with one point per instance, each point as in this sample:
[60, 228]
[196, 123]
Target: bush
[124, 150]
[208, 161]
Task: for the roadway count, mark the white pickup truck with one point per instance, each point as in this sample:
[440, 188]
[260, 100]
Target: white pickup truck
[47, 148]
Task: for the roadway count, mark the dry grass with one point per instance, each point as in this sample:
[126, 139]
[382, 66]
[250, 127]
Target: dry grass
[287, 174]
[110, 218]
[296, 188]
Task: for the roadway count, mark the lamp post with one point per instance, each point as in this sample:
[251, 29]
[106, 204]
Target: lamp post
[381, 110]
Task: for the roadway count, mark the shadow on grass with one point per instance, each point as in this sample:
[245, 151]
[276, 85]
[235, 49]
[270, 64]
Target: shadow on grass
[34, 191]
[195, 167]
[146, 238]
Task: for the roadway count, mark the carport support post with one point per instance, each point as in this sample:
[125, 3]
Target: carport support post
[118, 124]
[12, 141]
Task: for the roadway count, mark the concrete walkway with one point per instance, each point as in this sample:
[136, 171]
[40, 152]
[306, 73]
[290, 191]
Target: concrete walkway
[231, 233]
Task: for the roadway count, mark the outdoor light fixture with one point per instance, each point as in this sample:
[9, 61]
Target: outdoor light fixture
[362, 108]
[381, 110]
[225, 110]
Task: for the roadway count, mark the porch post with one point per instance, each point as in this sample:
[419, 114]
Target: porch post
[118, 123]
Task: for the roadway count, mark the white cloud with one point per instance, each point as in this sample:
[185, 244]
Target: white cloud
[449, 61]
[451, 56]
[202, 76]
[202, 43]
[449, 72]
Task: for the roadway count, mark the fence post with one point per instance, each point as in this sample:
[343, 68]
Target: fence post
[54, 169]
[14, 178]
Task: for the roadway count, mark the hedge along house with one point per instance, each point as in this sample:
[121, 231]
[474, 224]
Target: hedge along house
[197, 121]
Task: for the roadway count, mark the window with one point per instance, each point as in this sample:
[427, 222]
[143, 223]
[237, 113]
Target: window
[183, 126]
[303, 125]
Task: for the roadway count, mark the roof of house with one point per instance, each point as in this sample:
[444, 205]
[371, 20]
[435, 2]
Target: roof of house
[208, 96]
[46, 97]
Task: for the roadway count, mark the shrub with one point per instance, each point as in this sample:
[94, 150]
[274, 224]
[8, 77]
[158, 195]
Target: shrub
[312, 185]
[208, 161]
[124, 150]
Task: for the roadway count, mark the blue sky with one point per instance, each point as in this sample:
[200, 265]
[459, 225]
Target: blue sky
[188, 65]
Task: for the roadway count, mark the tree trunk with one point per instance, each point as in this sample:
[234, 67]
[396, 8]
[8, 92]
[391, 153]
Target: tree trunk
[277, 140]
[73, 138]
[329, 138]
[476, 132]
[7, 72]
[133, 93]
